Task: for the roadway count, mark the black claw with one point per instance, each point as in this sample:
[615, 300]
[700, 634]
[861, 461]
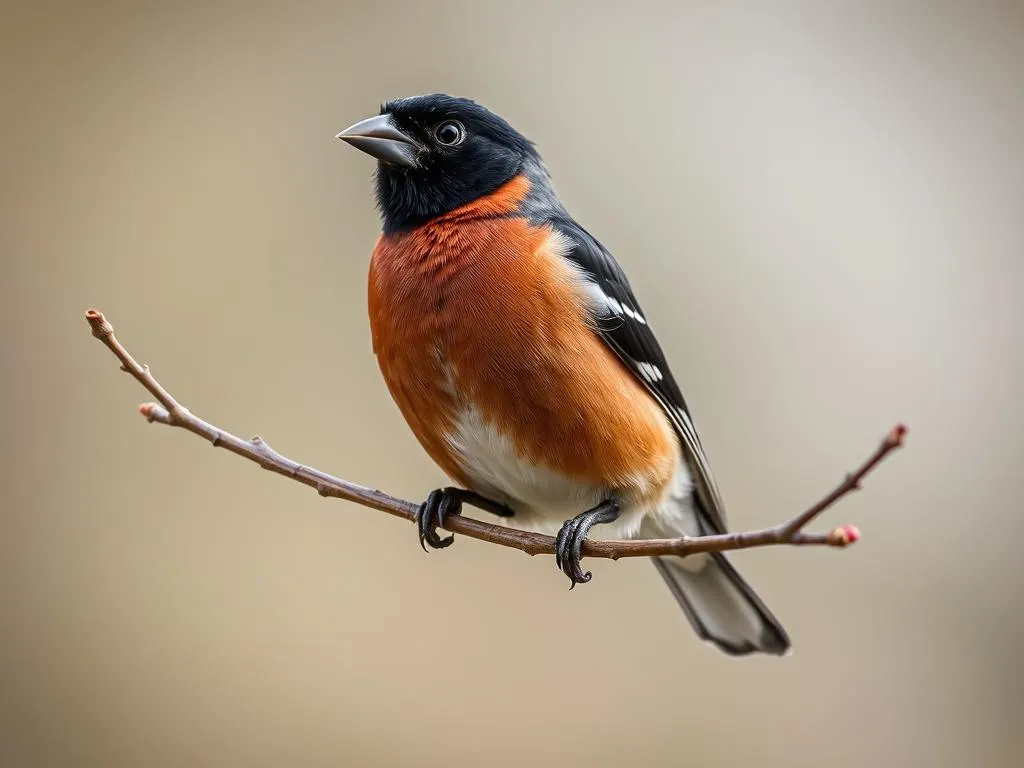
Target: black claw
[431, 514]
[569, 542]
[445, 502]
[562, 541]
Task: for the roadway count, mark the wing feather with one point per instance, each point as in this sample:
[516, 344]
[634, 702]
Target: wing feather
[624, 328]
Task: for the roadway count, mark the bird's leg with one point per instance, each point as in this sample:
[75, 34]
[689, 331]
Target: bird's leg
[482, 502]
[569, 542]
[448, 501]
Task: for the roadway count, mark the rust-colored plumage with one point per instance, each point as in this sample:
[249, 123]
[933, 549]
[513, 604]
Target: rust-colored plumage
[478, 307]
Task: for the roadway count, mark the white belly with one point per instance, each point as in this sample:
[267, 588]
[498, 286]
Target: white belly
[541, 498]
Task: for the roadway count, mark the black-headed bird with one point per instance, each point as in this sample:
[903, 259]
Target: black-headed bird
[516, 350]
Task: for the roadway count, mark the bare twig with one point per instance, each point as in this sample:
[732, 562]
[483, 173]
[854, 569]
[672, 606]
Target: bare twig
[169, 411]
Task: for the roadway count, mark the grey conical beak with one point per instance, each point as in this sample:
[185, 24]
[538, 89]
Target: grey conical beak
[379, 137]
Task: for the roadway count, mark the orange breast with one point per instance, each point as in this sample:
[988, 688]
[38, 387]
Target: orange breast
[485, 312]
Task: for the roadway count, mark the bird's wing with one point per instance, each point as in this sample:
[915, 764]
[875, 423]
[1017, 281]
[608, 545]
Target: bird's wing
[623, 327]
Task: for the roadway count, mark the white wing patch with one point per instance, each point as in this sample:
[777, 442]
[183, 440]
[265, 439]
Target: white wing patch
[650, 372]
[613, 306]
[632, 314]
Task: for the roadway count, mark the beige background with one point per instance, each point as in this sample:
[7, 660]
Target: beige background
[820, 207]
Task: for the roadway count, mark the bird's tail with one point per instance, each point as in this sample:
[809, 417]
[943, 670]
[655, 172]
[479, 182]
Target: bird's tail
[720, 605]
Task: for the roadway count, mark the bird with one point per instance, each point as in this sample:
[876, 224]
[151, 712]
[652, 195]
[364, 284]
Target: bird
[517, 352]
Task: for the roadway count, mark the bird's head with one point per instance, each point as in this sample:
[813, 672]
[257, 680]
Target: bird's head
[436, 153]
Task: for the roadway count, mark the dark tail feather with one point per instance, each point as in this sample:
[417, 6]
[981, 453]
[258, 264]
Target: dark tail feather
[721, 606]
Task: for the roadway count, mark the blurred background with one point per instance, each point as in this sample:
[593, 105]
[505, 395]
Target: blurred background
[819, 205]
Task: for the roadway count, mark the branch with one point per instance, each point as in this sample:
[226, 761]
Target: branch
[169, 411]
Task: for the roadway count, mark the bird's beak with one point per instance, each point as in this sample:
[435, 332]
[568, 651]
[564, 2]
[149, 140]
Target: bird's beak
[380, 138]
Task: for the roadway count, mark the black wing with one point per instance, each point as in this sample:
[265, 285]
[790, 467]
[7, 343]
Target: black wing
[624, 328]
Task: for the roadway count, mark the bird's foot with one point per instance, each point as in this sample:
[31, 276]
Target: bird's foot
[444, 502]
[569, 543]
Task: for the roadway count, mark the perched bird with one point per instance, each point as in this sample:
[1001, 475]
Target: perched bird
[513, 344]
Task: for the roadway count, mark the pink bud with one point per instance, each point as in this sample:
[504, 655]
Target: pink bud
[851, 533]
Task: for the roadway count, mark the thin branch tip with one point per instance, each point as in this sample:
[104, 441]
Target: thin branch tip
[845, 535]
[99, 324]
[170, 412]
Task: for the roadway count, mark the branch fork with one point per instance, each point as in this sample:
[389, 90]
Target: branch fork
[166, 410]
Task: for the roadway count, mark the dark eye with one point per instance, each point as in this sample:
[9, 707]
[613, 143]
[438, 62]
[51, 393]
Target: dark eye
[450, 133]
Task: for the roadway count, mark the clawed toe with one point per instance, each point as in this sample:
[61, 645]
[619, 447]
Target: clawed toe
[569, 542]
[444, 502]
[432, 513]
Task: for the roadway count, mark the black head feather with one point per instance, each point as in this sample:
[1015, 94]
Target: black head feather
[490, 153]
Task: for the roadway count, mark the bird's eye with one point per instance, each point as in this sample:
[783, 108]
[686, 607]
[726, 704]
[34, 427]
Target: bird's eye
[450, 133]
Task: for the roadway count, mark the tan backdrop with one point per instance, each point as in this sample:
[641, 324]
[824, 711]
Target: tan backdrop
[820, 207]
